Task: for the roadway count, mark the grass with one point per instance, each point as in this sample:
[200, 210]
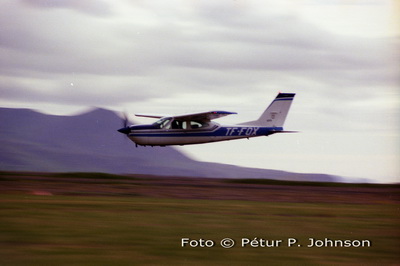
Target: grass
[65, 230]
[92, 175]
[83, 175]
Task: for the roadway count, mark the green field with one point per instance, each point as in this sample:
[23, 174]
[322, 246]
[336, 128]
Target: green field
[123, 230]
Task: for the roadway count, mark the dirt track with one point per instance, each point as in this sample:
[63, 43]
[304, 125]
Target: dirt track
[194, 188]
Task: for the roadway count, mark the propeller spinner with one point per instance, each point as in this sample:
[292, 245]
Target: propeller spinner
[125, 129]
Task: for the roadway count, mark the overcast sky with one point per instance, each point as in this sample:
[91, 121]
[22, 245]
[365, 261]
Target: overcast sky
[340, 57]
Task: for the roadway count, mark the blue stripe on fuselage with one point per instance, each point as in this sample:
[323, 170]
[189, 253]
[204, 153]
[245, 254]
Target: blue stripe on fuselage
[221, 131]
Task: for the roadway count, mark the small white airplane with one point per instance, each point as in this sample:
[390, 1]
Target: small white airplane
[198, 128]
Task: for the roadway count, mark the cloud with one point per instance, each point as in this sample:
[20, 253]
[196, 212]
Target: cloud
[140, 50]
[91, 7]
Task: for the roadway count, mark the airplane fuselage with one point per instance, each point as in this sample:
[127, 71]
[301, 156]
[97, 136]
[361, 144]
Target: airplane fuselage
[215, 132]
[199, 128]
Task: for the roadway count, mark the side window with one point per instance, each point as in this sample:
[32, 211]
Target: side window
[194, 124]
[197, 124]
[177, 124]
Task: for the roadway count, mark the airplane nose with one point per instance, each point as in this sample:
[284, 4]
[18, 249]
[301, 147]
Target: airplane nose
[124, 130]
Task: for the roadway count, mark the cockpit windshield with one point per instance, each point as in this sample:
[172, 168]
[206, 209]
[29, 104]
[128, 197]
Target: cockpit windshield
[163, 122]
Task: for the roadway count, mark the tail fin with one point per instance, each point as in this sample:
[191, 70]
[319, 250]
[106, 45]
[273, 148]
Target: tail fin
[275, 114]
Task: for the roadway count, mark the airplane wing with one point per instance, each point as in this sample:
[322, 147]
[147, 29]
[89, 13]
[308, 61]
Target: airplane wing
[150, 116]
[204, 116]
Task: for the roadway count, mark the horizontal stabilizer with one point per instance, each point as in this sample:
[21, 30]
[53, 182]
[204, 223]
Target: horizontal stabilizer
[286, 131]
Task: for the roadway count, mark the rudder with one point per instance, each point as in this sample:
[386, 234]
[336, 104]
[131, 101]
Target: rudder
[275, 114]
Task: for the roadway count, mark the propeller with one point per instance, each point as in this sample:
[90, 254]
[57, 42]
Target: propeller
[125, 127]
[126, 120]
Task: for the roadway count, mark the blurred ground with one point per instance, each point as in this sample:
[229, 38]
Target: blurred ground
[101, 219]
[98, 184]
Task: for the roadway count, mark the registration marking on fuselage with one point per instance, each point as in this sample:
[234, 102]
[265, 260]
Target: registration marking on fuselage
[241, 131]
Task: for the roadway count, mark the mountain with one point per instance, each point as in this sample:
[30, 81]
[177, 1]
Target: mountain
[89, 142]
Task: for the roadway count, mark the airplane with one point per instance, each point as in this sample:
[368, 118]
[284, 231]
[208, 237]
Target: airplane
[198, 128]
